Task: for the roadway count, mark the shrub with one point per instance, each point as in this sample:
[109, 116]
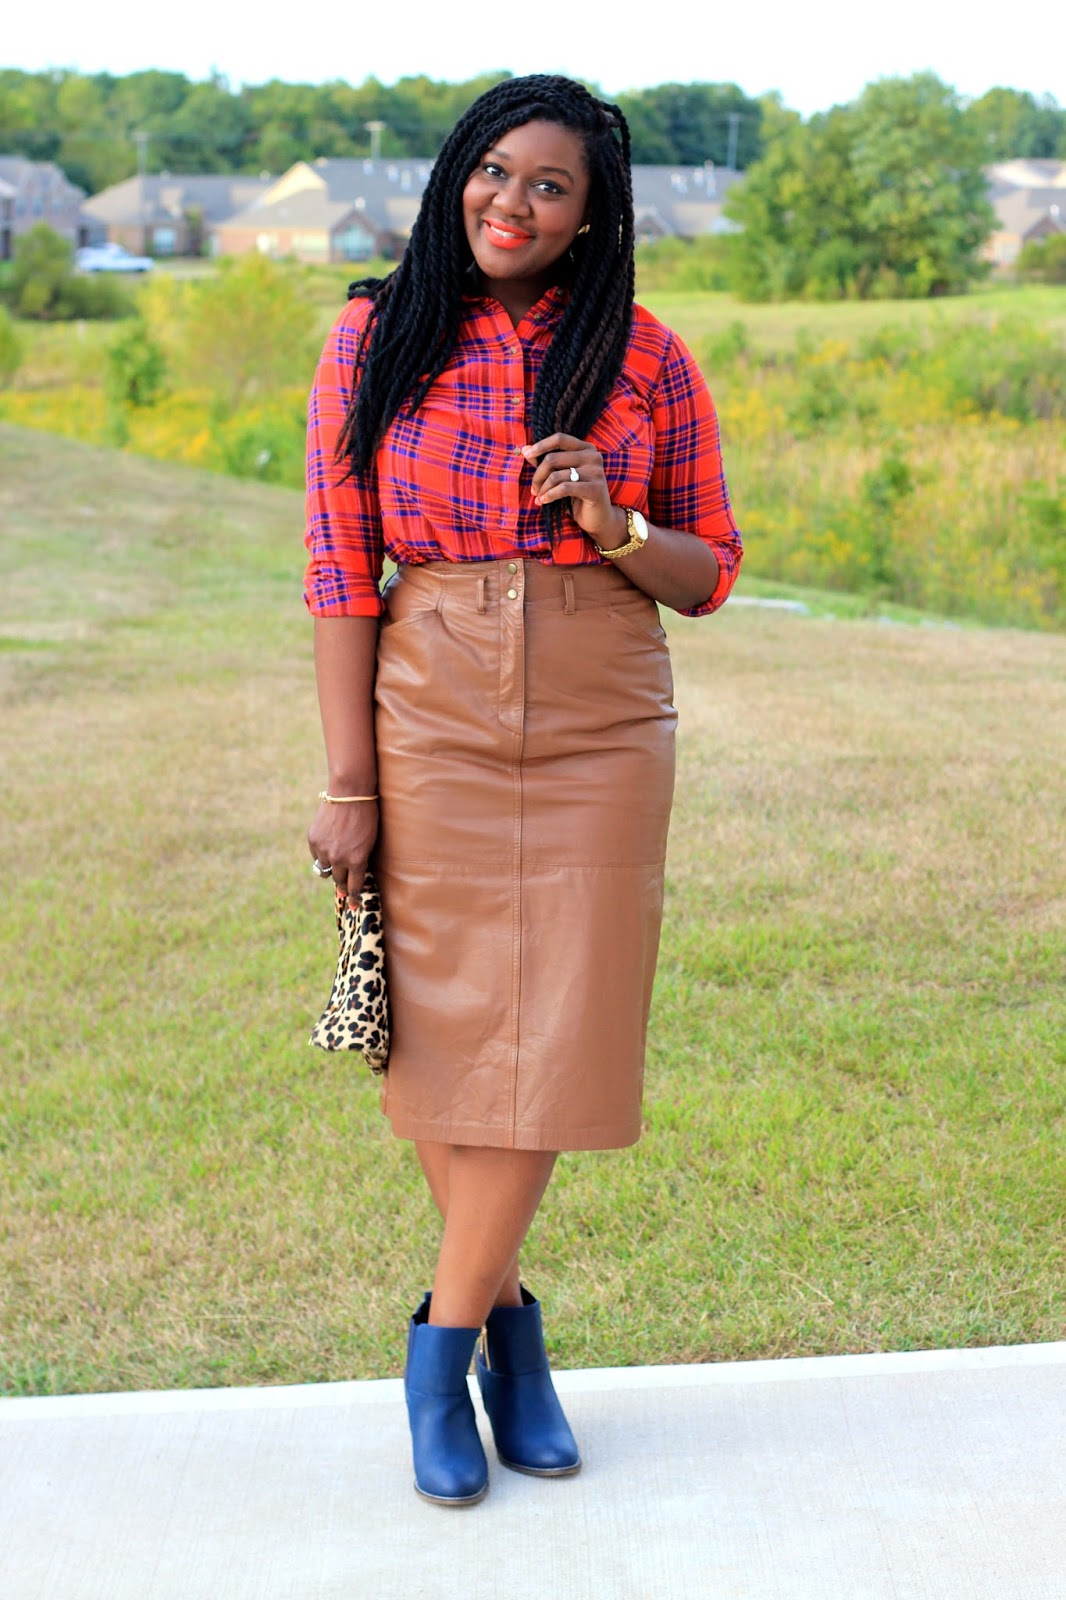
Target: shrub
[10, 349]
[726, 349]
[684, 265]
[1044, 259]
[44, 286]
[265, 443]
[136, 367]
[134, 376]
[246, 333]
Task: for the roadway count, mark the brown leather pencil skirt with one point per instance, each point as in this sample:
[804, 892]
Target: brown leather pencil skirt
[525, 734]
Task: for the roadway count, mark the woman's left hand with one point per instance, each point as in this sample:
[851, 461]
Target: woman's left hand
[590, 498]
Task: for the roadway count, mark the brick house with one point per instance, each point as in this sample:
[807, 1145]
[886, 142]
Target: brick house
[38, 191]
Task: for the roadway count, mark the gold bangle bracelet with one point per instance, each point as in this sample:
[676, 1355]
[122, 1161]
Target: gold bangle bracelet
[344, 799]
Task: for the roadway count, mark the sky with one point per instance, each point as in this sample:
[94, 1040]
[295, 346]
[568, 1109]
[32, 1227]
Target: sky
[816, 54]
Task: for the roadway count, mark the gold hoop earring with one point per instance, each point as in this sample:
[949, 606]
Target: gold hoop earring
[584, 228]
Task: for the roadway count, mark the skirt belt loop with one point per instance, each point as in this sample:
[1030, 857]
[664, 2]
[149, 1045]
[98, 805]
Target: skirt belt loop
[568, 592]
[481, 596]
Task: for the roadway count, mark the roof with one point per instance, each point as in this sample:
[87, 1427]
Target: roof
[17, 170]
[1027, 173]
[685, 200]
[320, 194]
[166, 197]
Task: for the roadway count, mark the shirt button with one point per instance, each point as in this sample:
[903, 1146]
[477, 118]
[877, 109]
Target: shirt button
[517, 399]
[512, 566]
[512, 594]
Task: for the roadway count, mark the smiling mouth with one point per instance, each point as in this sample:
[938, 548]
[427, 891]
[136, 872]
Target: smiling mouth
[505, 237]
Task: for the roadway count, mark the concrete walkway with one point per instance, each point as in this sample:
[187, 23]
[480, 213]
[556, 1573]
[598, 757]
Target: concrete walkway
[928, 1476]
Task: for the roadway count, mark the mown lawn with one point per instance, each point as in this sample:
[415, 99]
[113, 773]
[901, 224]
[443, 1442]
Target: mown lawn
[855, 1088]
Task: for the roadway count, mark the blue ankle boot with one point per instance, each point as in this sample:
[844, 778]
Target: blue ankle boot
[450, 1465]
[528, 1425]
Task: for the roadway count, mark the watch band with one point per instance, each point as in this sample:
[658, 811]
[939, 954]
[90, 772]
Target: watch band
[636, 528]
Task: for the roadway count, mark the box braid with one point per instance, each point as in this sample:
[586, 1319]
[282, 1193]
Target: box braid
[417, 310]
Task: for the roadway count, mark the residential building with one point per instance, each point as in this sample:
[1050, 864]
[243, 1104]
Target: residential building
[683, 202]
[331, 210]
[168, 214]
[349, 210]
[7, 219]
[1028, 197]
[38, 191]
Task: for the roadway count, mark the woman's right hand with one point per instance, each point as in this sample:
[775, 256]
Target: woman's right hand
[342, 837]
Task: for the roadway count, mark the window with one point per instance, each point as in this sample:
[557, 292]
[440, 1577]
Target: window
[353, 243]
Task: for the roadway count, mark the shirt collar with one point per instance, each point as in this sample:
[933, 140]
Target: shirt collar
[546, 312]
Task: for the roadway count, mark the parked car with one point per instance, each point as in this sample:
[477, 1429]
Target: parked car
[110, 258]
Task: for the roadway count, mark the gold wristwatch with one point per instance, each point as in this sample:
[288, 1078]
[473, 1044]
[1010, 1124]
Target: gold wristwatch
[636, 528]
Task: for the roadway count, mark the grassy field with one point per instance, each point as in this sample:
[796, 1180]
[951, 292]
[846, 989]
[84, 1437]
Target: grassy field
[58, 355]
[855, 1098]
[775, 327]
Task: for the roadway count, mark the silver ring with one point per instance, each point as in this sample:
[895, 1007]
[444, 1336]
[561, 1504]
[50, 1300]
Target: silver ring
[320, 871]
[575, 476]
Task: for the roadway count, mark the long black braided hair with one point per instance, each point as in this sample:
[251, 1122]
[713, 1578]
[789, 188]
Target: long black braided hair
[417, 310]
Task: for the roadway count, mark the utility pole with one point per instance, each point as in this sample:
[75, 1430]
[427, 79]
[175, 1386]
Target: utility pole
[734, 135]
[375, 130]
[140, 139]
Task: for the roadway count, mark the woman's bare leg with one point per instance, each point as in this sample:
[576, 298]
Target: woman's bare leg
[478, 1263]
[436, 1160]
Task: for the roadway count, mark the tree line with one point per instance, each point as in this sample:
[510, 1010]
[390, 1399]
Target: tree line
[90, 124]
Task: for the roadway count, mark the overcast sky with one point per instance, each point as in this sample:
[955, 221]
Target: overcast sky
[816, 54]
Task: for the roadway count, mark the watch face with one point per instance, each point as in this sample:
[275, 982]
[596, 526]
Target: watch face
[640, 526]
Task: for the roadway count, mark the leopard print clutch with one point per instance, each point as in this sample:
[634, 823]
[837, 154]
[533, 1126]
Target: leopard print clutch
[357, 1015]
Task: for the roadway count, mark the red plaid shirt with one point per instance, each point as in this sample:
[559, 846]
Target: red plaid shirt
[451, 483]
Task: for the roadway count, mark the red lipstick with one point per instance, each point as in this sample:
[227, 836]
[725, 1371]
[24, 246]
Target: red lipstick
[503, 235]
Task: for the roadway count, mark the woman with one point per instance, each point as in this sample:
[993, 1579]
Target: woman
[540, 458]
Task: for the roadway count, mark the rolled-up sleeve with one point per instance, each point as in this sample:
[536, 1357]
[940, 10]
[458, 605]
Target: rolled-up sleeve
[688, 488]
[342, 529]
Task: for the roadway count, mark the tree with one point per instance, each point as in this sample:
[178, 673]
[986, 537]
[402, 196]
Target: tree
[208, 133]
[27, 114]
[796, 207]
[1012, 122]
[917, 162]
[883, 196]
[88, 152]
[690, 123]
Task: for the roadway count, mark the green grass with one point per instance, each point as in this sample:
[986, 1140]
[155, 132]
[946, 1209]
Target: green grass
[855, 1092]
[775, 327]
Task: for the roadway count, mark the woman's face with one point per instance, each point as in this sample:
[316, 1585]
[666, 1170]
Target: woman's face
[523, 205]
